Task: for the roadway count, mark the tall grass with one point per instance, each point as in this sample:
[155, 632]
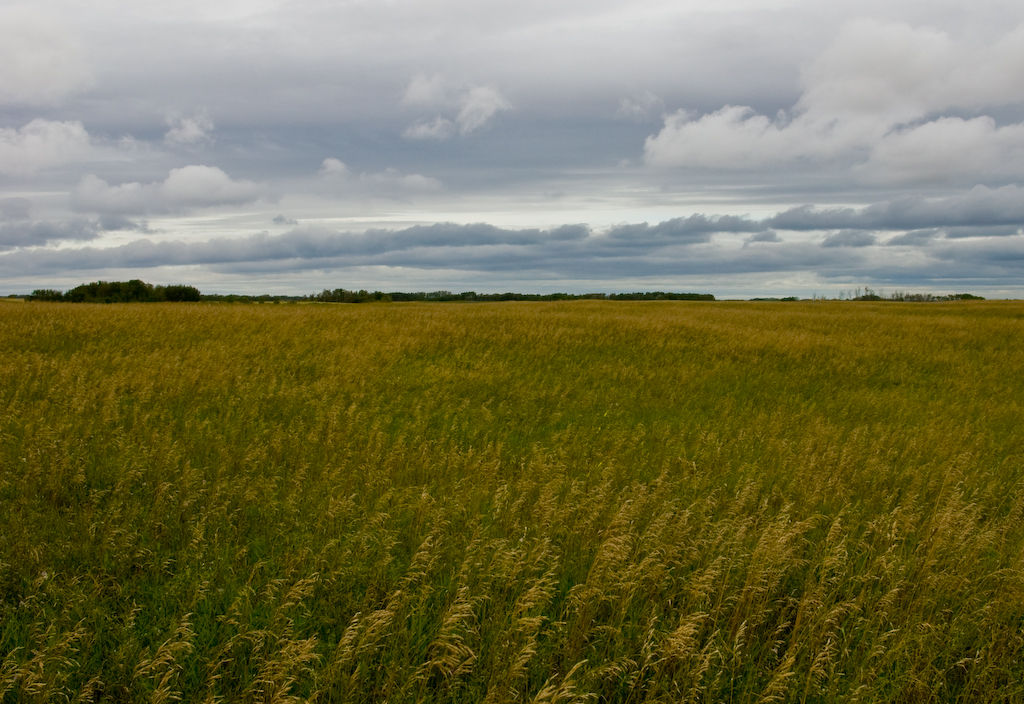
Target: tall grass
[580, 501]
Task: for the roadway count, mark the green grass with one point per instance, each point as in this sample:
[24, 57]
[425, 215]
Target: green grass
[607, 501]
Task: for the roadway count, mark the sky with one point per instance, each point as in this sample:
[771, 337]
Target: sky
[738, 148]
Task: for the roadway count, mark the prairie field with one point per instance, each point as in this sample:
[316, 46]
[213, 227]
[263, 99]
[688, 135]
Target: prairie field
[521, 502]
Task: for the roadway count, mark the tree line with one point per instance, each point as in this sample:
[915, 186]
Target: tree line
[340, 295]
[871, 295]
[137, 291]
[134, 291]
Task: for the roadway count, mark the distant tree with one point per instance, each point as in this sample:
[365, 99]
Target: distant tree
[134, 291]
[46, 294]
[179, 293]
[340, 295]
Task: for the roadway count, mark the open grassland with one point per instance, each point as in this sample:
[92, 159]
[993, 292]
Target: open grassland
[584, 501]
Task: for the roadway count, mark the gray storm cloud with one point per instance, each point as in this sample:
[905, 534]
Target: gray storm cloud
[849, 238]
[34, 234]
[979, 207]
[677, 247]
[567, 256]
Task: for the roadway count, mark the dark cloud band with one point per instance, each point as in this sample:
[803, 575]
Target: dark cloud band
[682, 247]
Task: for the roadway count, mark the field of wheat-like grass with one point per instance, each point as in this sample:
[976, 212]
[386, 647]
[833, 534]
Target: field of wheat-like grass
[549, 502]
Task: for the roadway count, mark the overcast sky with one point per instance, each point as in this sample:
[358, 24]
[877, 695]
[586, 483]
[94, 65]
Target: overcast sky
[738, 148]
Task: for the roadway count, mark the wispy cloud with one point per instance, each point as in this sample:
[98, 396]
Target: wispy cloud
[390, 181]
[439, 128]
[469, 107]
[392, 178]
[332, 168]
[640, 107]
[189, 129]
[184, 190]
[477, 106]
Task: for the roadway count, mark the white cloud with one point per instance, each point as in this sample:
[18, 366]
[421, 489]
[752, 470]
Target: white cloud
[189, 130]
[946, 148]
[478, 106]
[390, 180]
[41, 144]
[40, 61]
[470, 107]
[640, 107]
[890, 72]
[439, 128]
[732, 138]
[184, 189]
[876, 91]
[393, 178]
[332, 168]
[428, 90]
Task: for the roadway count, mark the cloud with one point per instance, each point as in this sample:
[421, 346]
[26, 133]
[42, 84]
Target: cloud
[282, 220]
[113, 222]
[877, 92]
[392, 178]
[675, 248]
[388, 181]
[640, 107]
[964, 232]
[885, 71]
[42, 144]
[189, 130]
[428, 90]
[944, 149]
[332, 168]
[849, 238]
[183, 190]
[19, 231]
[439, 128]
[915, 238]
[34, 234]
[40, 61]
[313, 245]
[766, 236]
[461, 246]
[470, 107]
[731, 138]
[477, 106]
[694, 229]
[979, 207]
[16, 208]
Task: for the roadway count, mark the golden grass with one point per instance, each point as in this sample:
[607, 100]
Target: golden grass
[578, 501]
